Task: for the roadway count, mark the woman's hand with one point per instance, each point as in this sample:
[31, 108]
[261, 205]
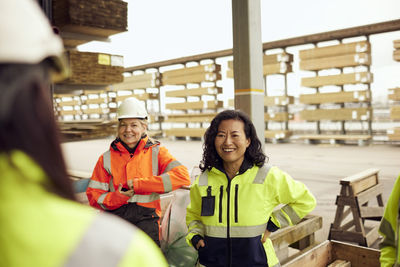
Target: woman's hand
[266, 235]
[200, 244]
[128, 193]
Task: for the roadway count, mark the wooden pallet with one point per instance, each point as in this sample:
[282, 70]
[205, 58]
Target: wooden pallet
[330, 251]
[357, 190]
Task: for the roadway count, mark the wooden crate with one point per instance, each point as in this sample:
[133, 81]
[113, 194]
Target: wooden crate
[338, 97]
[340, 114]
[94, 68]
[278, 116]
[140, 81]
[335, 50]
[93, 17]
[394, 94]
[339, 79]
[194, 92]
[329, 251]
[278, 100]
[341, 61]
[395, 113]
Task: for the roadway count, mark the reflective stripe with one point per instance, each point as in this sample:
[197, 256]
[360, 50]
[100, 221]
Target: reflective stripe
[111, 184]
[389, 235]
[291, 213]
[154, 159]
[144, 198]
[172, 165]
[100, 201]
[281, 218]
[107, 161]
[95, 248]
[203, 180]
[261, 174]
[235, 231]
[98, 185]
[166, 182]
[194, 223]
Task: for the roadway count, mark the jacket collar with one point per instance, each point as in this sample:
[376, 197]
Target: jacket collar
[145, 142]
[246, 164]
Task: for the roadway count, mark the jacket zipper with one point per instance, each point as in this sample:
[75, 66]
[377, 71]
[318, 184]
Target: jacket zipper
[236, 202]
[221, 192]
[228, 235]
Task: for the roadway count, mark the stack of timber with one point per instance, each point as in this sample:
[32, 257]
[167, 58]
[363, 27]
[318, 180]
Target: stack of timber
[88, 18]
[394, 98]
[87, 129]
[335, 254]
[95, 105]
[356, 193]
[145, 87]
[190, 109]
[89, 68]
[396, 52]
[277, 113]
[67, 106]
[338, 97]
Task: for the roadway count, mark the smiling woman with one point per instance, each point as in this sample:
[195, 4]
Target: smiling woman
[231, 211]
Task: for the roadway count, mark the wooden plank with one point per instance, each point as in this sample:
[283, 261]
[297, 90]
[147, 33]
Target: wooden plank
[395, 113]
[289, 235]
[370, 193]
[336, 97]
[185, 132]
[357, 255]
[371, 212]
[69, 112]
[340, 263]
[396, 55]
[194, 78]
[357, 181]
[201, 117]
[277, 68]
[278, 100]
[394, 134]
[335, 137]
[338, 79]
[94, 111]
[211, 104]
[68, 103]
[194, 92]
[277, 134]
[347, 236]
[143, 96]
[396, 44]
[271, 59]
[188, 71]
[320, 256]
[136, 85]
[339, 114]
[349, 60]
[99, 100]
[335, 50]
[279, 116]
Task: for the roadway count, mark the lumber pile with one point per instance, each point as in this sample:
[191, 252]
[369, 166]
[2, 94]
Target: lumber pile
[341, 84]
[396, 51]
[87, 129]
[89, 17]
[191, 99]
[89, 68]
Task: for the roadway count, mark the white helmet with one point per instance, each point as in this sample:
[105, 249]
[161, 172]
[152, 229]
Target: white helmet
[27, 37]
[132, 108]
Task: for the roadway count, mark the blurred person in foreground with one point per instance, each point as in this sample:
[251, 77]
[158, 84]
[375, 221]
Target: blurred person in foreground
[231, 213]
[41, 224]
[129, 177]
[389, 229]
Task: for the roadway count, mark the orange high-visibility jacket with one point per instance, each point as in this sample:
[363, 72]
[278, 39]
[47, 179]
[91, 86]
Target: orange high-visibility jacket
[152, 169]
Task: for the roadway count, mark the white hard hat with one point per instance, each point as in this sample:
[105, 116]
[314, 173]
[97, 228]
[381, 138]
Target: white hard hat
[132, 108]
[26, 35]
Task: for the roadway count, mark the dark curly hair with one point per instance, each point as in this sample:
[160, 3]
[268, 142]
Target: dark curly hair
[253, 153]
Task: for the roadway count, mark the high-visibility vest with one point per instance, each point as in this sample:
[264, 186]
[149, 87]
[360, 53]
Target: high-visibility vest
[242, 207]
[389, 228]
[39, 228]
[151, 169]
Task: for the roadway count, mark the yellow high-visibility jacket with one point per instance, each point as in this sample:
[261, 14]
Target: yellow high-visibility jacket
[389, 229]
[243, 208]
[39, 228]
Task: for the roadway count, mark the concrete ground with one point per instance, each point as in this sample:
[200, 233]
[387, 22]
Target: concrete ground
[320, 167]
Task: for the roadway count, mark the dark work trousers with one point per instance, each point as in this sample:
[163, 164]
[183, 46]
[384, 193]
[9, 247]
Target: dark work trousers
[144, 218]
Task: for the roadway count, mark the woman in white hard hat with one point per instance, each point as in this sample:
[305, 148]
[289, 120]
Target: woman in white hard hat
[41, 224]
[129, 177]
